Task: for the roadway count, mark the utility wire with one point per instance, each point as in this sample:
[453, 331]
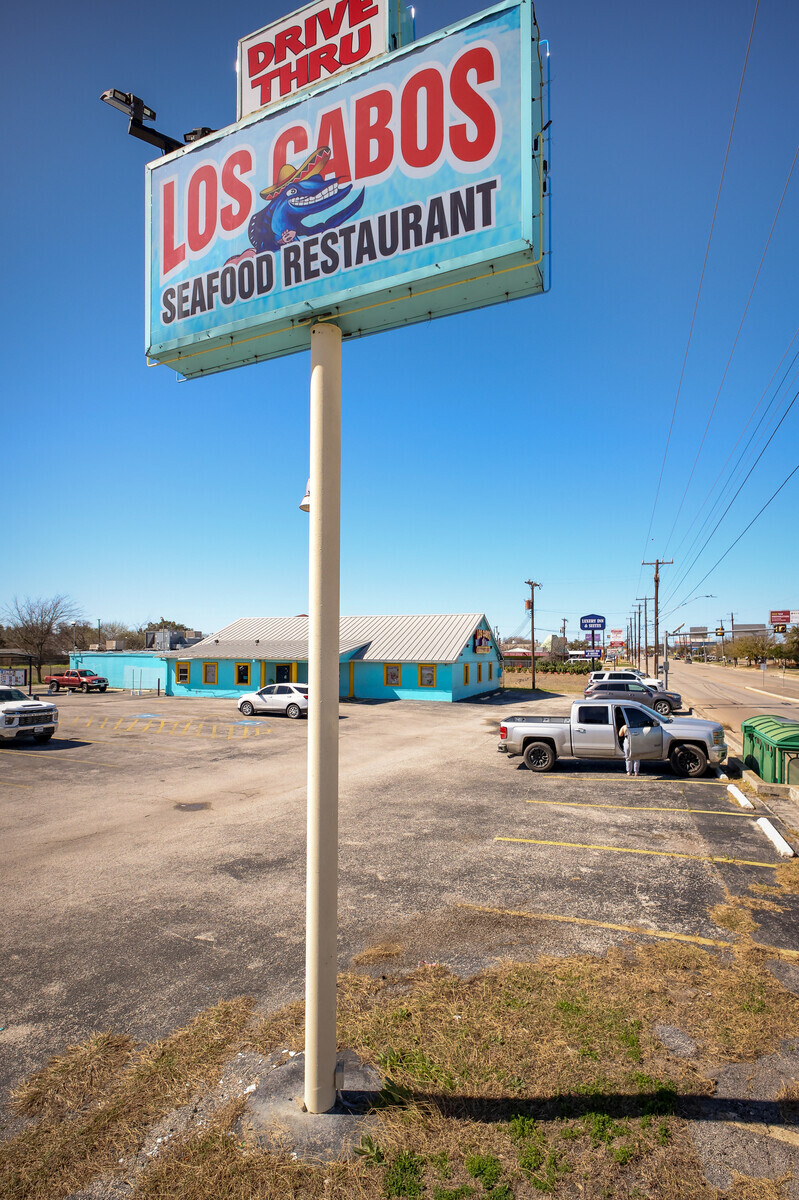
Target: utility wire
[735, 497]
[743, 431]
[734, 345]
[701, 281]
[748, 527]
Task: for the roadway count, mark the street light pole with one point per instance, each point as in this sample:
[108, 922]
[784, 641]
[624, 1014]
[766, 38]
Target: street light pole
[321, 943]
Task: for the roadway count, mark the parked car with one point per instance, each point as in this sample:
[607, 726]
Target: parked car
[629, 673]
[288, 698]
[23, 716]
[592, 730]
[77, 681]
[622, 689]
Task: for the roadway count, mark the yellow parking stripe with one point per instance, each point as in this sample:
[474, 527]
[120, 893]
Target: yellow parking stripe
[666, 934]
[92, 762]
[742, 862]
[622, 777]
[638, 808]
[7, 783]
[104, 722]
[119, 722]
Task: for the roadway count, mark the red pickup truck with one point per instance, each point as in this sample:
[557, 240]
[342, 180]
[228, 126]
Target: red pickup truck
[77, 681]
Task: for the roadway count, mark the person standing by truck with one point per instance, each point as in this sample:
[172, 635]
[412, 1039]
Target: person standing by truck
[633, 764]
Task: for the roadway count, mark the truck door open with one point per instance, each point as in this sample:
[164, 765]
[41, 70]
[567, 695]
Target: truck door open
[646, 734]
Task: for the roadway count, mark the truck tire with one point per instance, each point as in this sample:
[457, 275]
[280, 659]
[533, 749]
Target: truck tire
[53, 686]
[688, 762]
[84, 687]
[102, 689]
[539, 756]
[663, 707]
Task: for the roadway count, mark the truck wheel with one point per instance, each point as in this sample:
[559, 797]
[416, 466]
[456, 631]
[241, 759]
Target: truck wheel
[663, 707]
[54, 686]
[42, 737]
[689, 762]
[84, 687]
[246, 708]
[102, 689]
[293, 711]
[539, 756]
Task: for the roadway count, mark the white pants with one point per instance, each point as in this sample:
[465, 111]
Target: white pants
[633, 764]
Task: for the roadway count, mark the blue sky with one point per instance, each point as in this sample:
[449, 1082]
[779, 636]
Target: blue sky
[478, 451]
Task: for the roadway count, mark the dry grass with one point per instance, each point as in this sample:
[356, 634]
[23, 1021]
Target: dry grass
[733, 917]
[379, 953]
[788, 876]
[533, 1078]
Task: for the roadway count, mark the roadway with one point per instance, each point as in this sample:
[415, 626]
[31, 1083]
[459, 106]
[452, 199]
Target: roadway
[732, 695]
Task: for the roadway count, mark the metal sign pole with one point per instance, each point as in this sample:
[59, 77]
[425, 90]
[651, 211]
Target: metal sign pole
[323, 671]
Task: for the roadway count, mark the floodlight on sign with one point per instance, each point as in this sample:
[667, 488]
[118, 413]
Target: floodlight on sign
[407, 191]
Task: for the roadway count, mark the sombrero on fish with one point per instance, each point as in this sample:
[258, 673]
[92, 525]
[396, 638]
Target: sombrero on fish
[314, 164]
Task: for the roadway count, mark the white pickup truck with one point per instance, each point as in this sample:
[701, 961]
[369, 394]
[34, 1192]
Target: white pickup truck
[21, 716]
[591, 730]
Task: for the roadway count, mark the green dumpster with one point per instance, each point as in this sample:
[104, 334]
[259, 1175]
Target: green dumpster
[771, 748]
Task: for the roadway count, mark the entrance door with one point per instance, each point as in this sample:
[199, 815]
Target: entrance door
[282, 672]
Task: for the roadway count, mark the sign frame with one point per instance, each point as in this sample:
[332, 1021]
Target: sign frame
[592, 621]
[496, 272]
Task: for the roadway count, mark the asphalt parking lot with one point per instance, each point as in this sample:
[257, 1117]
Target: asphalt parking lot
[153, 859]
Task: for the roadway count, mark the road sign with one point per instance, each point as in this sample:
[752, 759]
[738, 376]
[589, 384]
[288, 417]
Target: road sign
[411, 189]
[592, 621]
[780, 616]
[593, 652]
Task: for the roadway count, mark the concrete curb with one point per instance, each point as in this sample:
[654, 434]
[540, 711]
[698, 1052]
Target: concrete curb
[779, 843]
[739, 797]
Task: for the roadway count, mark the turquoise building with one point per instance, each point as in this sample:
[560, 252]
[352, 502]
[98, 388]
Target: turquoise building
[443, 657]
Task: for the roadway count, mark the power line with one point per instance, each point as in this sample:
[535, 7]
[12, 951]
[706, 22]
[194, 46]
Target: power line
[734, 345]
[743, 431]
[701, 280]
[773, 496]
[735, 497]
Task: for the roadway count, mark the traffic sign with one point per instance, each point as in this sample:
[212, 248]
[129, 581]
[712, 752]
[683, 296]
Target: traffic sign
[592, 621]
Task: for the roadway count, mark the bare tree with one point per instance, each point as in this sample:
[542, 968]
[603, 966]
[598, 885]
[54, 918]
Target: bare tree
[34, 625]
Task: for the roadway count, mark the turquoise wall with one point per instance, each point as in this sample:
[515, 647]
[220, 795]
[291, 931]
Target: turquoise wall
[139, 669]
[369, 683]
[462, 691]
[226, 686]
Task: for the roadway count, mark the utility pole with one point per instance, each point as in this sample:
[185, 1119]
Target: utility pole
[732, 633]
[657, 564]
[563, 635]
[532, 586]
[638, 657]
[646, 632]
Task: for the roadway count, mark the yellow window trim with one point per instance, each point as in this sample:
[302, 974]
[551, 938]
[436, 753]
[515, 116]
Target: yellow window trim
[465, 674]
[187, 664]
[427, 666]
[479, 672]
[385, 674]
[215, 682]
[236, 674]
[490, 671]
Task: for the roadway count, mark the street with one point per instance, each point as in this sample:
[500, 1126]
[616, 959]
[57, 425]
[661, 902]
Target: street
[731, 695]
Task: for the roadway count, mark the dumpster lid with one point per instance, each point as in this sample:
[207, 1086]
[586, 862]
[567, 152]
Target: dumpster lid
[781, 731]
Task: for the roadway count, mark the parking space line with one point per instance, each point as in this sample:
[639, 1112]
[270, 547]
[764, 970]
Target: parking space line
[8, 783]
[104, 722]
[119, 722]
[639, 808]
[665, 934]
[624, 778]
[740, 862]
[92, 762]
[132, 725]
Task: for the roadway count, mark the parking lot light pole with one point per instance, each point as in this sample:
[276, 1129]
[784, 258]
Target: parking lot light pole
[321, 940]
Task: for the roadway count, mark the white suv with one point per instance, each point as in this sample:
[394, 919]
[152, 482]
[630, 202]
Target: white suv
[631, 675]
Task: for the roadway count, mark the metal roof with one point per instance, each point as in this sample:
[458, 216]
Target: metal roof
[248, 649]
[405, 638]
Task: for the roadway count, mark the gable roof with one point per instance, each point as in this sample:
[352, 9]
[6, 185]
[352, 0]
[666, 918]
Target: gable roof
[404, 638]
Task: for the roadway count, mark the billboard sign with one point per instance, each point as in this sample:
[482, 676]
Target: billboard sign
[780, 616]
[595, 652]
[592, 621]
[313, 44]
[410, 190]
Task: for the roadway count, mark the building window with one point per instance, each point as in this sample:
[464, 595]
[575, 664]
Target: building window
[465, 674]
[479, 672]
[490, 671]
[427, 675]
[392, 674]
[242, 674]
[210, 673]
[182, 672]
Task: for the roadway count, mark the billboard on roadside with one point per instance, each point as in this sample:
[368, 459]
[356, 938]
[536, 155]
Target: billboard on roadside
[411, 190]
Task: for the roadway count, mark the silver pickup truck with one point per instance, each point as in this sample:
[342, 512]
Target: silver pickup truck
[591, 730]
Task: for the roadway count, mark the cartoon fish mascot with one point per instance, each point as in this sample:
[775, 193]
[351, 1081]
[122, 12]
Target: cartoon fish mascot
[299, 194]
